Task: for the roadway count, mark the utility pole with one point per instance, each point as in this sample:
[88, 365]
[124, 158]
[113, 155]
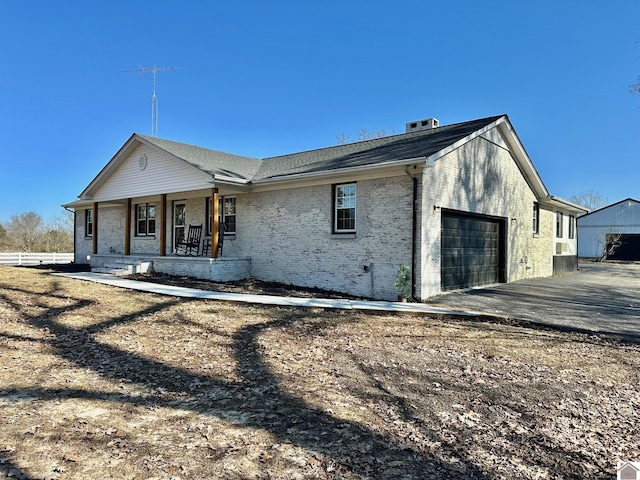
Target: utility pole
[154, 100]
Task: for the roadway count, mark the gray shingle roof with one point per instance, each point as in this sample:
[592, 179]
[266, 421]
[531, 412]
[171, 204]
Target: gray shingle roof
[211, 161]
[370, 152]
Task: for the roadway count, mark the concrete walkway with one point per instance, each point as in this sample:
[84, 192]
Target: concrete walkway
[599, 298]
[416, 308]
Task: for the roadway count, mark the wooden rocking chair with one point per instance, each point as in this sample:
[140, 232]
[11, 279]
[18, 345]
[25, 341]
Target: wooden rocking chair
[191, 244]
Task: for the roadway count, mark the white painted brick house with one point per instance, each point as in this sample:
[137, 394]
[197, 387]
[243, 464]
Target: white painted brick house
[461, 204]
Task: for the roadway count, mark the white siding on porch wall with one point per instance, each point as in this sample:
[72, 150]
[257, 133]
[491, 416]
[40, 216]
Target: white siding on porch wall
[163, 174]
[481, 177]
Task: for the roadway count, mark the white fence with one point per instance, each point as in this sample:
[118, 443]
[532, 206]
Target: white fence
[21, 258]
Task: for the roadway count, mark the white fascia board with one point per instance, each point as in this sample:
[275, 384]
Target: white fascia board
[237, 184]
[88, 203]
[77, 204]
[523, 160]
[564, 204]
[115, 160]
[454, 146]
[123, 153]
[517, 150]
[361, 171]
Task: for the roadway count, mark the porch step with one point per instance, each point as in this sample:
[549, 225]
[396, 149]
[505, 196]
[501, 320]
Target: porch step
[121, 269]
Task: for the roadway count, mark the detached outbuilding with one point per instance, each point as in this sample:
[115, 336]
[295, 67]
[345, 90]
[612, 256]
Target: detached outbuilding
[619, 221]
[461, 204]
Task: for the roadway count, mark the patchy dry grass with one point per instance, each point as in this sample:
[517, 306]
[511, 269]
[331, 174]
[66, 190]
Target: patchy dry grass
[97, 382]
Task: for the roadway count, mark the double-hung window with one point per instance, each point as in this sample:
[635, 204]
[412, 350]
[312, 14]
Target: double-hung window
[229, 214]
[572, 226]
[345, 208]
[145, 219]
[536, 218]
[559, 226]
[227, 209]
[88, 222]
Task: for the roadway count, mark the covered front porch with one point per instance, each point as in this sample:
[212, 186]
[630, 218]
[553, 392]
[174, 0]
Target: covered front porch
[157, 225]
[221, 269]
[118, 246]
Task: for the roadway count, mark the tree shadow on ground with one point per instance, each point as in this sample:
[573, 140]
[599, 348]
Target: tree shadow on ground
[255, 401]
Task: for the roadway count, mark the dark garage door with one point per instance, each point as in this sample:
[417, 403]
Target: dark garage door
[473, 251]
[629, 248]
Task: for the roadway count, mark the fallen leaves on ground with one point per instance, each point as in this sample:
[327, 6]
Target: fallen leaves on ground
[97, 382]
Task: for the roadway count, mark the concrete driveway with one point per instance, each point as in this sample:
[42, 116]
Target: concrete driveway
[600, 298]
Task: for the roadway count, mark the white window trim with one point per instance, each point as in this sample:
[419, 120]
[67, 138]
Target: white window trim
[560, 227]
[88, 221]
[572, 227]
[235, 215]
[336, 230]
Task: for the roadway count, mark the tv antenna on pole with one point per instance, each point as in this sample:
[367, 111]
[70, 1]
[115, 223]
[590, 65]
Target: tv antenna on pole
[154, 100]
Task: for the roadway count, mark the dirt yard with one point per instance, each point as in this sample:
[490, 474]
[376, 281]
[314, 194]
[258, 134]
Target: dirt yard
[97, 382]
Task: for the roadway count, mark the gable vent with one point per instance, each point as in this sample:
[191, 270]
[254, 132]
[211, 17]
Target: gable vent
[426, 124]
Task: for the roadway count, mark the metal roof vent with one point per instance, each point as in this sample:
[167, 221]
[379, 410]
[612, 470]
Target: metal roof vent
[426, 124]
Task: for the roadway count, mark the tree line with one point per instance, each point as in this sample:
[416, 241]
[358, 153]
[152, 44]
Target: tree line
[29, 232]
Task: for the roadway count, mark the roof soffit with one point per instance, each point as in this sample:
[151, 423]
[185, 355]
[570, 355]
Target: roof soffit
[562, 204]
[522, 159]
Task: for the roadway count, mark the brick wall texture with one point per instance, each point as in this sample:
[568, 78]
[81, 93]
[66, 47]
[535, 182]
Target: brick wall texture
[286, 235]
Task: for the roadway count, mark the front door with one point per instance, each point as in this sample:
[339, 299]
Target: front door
[179, 226]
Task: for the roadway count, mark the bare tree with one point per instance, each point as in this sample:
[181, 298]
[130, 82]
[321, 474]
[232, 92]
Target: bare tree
[24, 231]
[609, 243]
[363, 135]
[28, 232]
[58, 235]
[635, 88]
[589, 199]
[3, 238]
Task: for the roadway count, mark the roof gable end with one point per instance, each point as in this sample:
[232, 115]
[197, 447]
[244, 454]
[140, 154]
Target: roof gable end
[626, 200]
[210, 162]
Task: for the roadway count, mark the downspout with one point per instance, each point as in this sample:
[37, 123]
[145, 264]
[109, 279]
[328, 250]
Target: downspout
[575, 221]
[414, 229]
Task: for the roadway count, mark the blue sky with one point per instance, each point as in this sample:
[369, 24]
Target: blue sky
[264, 78]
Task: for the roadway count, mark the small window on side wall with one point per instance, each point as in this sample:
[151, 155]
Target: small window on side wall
[559, 226]
[88, 222]
[572, 226]
[536, 218]
[344, 200]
